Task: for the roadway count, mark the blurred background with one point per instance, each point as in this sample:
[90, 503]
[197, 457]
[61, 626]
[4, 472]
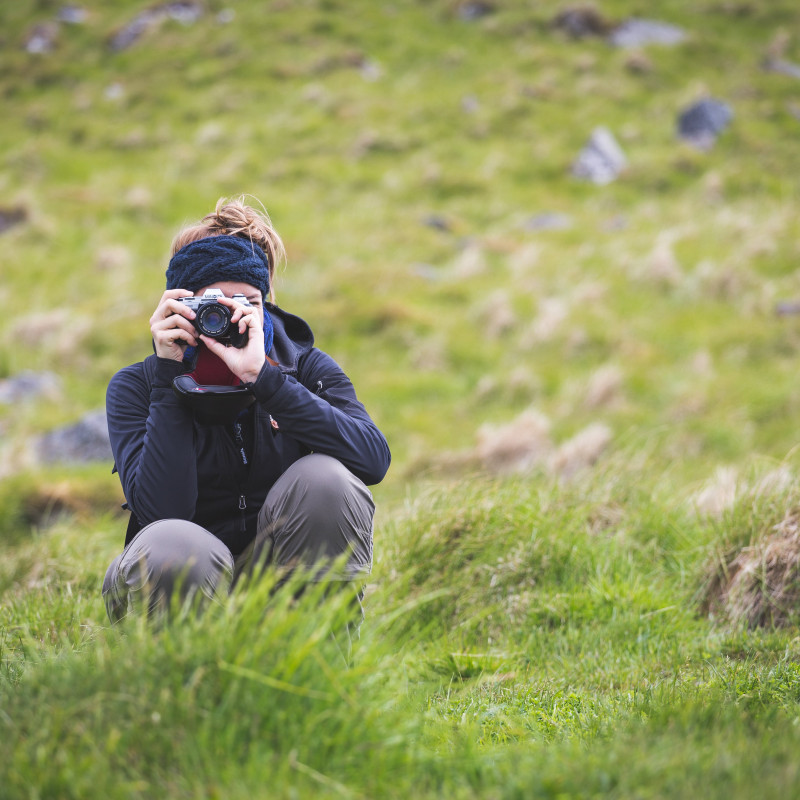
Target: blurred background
[532, 233]
[556, 247]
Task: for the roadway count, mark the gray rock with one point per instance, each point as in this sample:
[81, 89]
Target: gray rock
[470, 104]
[601, 160]
[616, 223]
[701, 123]
[42, 38]
[87, 440]
[787, 308]
[113, 92]
[371, 71]
[437, 222]
[474, 10]
[548, 221]
[72, 15]
[427, 272]
[640, 32]
[581, 21]
[782, 67]
[128, 34]
[9, 217]
[184, 11]
[28, 385]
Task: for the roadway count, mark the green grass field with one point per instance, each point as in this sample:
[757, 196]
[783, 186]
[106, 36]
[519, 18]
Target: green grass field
[586, 579]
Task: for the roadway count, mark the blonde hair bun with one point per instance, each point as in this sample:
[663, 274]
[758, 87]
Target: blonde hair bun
[234, 217]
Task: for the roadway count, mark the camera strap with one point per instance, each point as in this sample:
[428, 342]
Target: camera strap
[210, 404]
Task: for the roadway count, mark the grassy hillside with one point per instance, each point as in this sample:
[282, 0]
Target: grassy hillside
[589, 395]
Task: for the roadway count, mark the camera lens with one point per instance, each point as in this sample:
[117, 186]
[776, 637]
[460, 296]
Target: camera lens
[213, 320]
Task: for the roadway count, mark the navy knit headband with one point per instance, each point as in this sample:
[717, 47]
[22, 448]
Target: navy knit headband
[219, 258]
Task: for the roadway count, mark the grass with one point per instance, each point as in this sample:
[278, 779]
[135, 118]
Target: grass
[518, 644]
[527, 635]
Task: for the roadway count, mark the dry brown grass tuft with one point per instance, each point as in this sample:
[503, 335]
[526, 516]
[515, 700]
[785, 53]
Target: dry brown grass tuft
[702, 364]
[138, 198]
[549, 321]
[759, 586]
[497, 314]
[114, 259]
[470, 263]
[521, 383]
[777, 481]
[428, 354]
[718, 494]
[721, 281]
[522, 260]
[525, 443]
[604, 388]
[581, 451]
[517, 446]
[662, 267]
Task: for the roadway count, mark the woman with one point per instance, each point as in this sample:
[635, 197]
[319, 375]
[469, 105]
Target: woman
[283, 481]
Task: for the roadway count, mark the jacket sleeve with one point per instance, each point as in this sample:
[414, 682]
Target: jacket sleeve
[320, 409]
[152, 439]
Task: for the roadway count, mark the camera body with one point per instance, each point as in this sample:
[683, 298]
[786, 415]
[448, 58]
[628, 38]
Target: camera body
[214, 319]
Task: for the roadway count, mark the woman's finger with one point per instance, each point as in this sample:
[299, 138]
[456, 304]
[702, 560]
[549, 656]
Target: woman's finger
[173, 321]
[172, 336]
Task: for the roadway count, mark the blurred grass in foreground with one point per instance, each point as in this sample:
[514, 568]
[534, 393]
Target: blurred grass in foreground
[522, 639]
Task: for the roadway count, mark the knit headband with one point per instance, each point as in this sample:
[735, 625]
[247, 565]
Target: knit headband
[219, 258]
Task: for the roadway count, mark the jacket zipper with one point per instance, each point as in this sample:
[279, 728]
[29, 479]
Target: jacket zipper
[242, 509]
[237, 432]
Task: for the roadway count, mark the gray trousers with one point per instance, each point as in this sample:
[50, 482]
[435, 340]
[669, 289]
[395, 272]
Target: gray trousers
[316, 511]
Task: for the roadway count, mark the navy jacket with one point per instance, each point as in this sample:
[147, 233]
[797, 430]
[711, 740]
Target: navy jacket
[172, 467]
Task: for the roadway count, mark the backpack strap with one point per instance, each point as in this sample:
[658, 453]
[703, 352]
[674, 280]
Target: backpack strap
[134, 526]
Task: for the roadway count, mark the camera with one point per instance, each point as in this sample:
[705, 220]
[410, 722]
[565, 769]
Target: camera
[214, 319]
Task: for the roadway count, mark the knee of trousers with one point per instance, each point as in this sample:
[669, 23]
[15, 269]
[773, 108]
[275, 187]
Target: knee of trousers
[319, 509]
[164, 556]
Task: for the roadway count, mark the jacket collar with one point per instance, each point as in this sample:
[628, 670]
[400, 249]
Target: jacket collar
[292, 338]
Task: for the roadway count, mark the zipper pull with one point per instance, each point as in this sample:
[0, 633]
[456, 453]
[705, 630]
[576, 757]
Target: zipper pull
[237, 433]
[318, 391]
[242, 508]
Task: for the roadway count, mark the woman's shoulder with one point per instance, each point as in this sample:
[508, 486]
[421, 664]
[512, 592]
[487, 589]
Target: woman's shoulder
[141, 371]
[136, 378]
[131, 373]
[126, 379]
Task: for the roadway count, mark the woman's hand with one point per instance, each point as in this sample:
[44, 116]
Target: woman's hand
[171, 325]
[245, 362]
